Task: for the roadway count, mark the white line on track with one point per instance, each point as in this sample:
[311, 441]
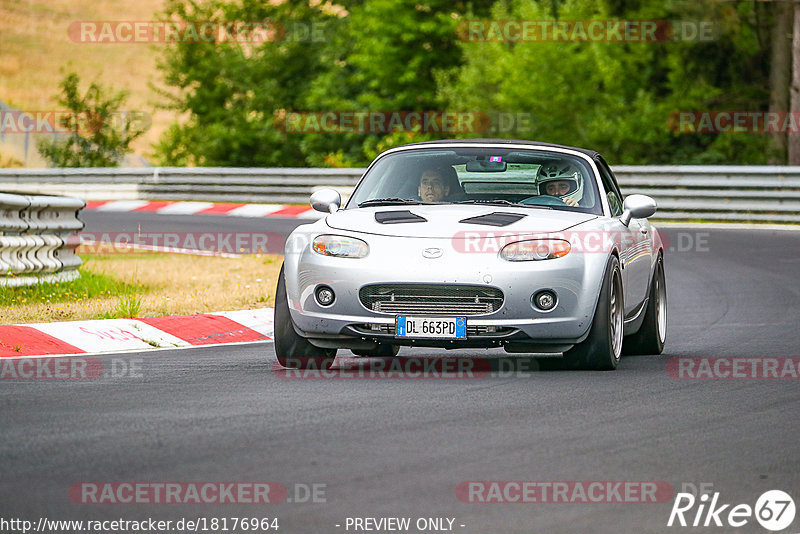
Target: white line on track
[255, 210]
[185, 208]
[122, 205]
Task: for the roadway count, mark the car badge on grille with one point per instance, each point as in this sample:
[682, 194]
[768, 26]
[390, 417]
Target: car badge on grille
[432, 252]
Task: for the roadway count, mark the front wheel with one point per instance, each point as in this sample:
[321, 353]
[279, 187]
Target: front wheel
[602, 349]
[653, 332]
[294, 351]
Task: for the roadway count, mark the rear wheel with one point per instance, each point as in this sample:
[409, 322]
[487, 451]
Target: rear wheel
[602, 349]
[381, 351]
[651, 335]
[294, 351]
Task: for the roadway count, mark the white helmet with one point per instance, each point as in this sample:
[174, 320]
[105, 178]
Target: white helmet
[561, 171]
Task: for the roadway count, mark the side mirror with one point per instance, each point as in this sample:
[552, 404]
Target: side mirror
[326, 200]
[637, 207]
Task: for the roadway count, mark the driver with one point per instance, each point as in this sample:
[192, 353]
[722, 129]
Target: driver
[439, 184]
[432, 186]
[562, 180]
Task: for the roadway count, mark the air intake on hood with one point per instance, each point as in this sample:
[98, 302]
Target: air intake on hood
[398, 216]
[497, 218]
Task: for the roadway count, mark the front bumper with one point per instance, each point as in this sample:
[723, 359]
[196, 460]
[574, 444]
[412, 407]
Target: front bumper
[575, 278]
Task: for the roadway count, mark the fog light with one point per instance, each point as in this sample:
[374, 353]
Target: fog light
[324, 295]
[545, 300]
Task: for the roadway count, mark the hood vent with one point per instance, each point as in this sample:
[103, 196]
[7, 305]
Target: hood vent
[398, 217]
[497, 218]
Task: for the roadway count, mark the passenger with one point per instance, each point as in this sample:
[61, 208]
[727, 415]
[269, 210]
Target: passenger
[561, 180]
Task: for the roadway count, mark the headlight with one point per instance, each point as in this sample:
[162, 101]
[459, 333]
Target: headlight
[340, 246]
[535, 250]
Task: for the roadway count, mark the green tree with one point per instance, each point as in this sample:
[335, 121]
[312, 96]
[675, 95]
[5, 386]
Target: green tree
[100, 134]
[408, 55]
[231, 90]
[388, 57]
[618, 97]
[380, 55]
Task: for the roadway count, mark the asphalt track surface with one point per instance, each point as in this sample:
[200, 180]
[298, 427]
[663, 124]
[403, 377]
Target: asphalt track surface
[99, 222]
[399, 448]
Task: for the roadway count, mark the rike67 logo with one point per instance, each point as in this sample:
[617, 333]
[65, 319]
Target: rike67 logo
[774, 510]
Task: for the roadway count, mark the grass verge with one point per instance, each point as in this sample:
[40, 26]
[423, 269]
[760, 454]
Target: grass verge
[146, 285]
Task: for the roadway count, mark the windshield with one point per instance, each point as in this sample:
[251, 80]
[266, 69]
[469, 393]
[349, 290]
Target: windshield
[528, 178]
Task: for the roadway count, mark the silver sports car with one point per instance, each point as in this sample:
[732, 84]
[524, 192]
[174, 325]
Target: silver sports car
[476, 243]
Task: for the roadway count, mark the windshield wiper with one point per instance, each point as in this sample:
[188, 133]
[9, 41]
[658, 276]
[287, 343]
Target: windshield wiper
[389, 200]
[498, 201]
[501, 202]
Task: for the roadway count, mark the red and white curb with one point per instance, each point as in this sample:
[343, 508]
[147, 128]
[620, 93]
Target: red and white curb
[207, 208]
[116, 335]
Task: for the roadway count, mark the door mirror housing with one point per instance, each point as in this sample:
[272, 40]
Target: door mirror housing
[637, 207]
[326, 200]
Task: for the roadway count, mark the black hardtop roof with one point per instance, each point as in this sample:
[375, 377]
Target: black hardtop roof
[533, 144]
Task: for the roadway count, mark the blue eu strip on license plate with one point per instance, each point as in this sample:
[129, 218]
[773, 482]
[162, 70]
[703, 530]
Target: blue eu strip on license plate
[431, 327]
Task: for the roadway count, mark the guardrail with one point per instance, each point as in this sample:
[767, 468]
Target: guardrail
[218, 184]
[38, 237]
[721, 193]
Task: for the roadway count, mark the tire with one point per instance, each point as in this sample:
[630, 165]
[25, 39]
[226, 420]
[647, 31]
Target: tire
[294, 351]
[381, 351]
[651, 335]
[602, 349]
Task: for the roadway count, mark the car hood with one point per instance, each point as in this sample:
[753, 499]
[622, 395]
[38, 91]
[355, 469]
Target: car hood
[448, 221]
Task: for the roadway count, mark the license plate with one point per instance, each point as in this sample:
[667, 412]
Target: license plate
[431, 327]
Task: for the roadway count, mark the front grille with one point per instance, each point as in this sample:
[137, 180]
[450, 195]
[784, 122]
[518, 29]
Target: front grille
[428, 299]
